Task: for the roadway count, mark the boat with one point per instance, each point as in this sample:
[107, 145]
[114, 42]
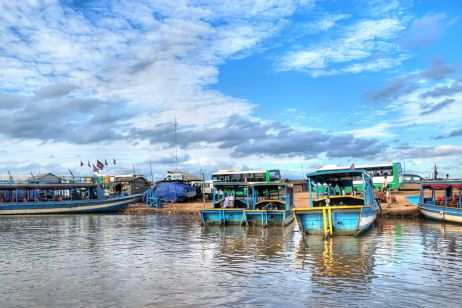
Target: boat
[62, 198]
[258, 203]
[411, 182]
[440, 200]
[333, 211]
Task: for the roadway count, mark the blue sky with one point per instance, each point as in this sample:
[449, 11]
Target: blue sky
[293, 85]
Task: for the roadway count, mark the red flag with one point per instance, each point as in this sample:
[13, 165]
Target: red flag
[81, 164]
[100, 165]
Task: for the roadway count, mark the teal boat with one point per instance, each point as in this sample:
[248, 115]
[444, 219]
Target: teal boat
[332, 210]
[264, 204]
[62, 198]
[440, 200]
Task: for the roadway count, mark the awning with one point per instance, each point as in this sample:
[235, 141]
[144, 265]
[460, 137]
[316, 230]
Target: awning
[443, 186]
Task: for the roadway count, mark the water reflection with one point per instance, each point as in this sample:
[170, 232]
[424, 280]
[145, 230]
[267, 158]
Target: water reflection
[170, 260]
[262, 243]
[342, 263]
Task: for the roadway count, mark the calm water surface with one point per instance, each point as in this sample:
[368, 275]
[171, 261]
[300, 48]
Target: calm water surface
[170, 260]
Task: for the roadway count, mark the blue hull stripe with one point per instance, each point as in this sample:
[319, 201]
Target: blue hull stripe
[242, 216]
[69, 207]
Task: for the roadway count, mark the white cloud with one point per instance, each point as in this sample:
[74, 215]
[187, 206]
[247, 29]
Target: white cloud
[378, 130]
[369, 43]
[154, 60]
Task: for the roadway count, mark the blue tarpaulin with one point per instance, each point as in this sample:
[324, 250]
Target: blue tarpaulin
[172, 191]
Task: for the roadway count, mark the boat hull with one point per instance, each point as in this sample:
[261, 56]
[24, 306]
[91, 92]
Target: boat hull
[246, 217]
[413, 199]
[335, 220]
[111, 205]
[441, 213]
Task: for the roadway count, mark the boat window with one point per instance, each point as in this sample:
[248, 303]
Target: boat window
[275, 175]
[380, 171]
[399, 169]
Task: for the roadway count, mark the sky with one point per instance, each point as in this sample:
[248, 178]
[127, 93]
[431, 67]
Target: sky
[290, 84]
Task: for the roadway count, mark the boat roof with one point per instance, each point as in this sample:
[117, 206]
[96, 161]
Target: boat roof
[336, 167]
[229, 171]
[251, 184]
[442, 184]
[335, 175]
[47, 186]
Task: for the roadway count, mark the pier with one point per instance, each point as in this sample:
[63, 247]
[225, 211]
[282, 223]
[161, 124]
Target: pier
[399, 209]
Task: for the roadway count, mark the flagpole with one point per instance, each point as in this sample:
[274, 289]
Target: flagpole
[176, 149]
[150, 166]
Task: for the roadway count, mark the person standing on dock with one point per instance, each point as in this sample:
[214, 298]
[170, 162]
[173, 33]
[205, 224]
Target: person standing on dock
[388, 198]
[386, 191]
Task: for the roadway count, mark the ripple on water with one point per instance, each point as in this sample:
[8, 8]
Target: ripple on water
[170, 260]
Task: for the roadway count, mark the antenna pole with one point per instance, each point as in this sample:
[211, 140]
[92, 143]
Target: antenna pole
[176, 148]
[150, 166]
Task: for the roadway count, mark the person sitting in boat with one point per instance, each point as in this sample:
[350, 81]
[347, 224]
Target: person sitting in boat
[353, 192]
[226, 202]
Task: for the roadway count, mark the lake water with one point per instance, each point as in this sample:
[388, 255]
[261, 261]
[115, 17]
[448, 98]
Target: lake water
[170, 260]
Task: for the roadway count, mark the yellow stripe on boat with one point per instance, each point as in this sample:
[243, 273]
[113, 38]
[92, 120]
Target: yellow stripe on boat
[335, 207]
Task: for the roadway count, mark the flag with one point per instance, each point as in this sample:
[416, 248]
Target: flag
[81, 164]
[352, 167]
[114, 161]
[94, 168]
[11, 177]
[105, 162]
[100, 165]
[435, 172]
[89, 164]
[71, 172]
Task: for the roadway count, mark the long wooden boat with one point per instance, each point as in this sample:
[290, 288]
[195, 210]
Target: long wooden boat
[440, 200]
[332, 211]
[66, 198]
[264, 204]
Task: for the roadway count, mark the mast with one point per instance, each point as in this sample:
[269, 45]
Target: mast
[150, 166]
[176, 148]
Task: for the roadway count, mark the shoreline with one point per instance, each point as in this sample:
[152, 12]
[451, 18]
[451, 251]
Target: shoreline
[399, 209]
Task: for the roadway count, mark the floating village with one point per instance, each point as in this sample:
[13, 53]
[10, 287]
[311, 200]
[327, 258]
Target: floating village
[329, 201]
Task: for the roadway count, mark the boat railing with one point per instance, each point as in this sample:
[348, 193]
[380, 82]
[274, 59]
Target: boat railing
[29, 180]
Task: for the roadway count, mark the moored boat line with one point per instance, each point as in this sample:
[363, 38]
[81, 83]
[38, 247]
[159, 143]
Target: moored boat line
[265, 204]
[440, 200]
[331, 211]
[63, 198]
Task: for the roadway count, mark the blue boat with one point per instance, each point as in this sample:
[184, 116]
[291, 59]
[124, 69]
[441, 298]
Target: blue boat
[440, 200]
[63, 198]
[262, 204]
[334, 212]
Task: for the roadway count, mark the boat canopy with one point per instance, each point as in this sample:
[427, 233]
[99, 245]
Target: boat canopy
[219, 185]
[442, 185]
[47, 186]
[336, 176]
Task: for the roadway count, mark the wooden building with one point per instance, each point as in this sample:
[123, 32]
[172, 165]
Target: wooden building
[133, 184]
[299, 185]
